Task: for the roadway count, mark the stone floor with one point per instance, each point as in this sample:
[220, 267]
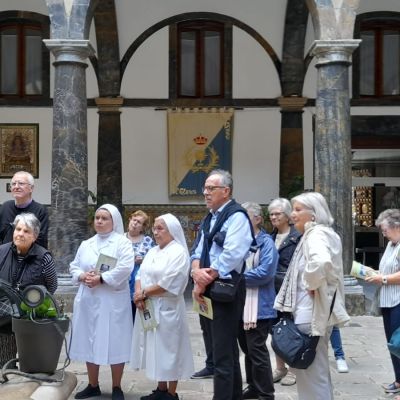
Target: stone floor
[366, 354]
[363, 342]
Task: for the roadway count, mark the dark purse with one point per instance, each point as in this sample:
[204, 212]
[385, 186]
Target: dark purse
[224, 290]
[294, 347]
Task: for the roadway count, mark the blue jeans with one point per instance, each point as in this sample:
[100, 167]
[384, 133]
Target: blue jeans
[391, 321]
[336, 343]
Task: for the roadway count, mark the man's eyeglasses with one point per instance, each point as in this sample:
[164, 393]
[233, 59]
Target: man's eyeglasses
[210, 189]
[19, 183]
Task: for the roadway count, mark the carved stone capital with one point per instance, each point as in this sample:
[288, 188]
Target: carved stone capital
[109, 104]
[334, 51]
[70, 50]
[292, 103]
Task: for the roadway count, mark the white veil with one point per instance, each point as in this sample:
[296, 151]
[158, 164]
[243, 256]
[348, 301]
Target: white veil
[175, 229]
[118, 225]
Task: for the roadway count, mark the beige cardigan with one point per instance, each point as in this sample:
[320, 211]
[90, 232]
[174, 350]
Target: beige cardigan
[323, 274]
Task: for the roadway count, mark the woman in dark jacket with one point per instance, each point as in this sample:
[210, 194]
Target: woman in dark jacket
[24, 263]
[286, 238]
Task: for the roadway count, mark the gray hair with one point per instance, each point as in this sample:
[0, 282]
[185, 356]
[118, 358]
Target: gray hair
[30, 221]
[226, 177]
[317, 205]
[390, 218]
[254, 208]
[29, 177]
[281, 203]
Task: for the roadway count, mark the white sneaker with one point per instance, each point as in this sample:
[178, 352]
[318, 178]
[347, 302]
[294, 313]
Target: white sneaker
[341, 365]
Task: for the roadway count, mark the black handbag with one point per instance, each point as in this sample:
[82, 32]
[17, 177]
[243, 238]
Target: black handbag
[294, 347]
[224, 290]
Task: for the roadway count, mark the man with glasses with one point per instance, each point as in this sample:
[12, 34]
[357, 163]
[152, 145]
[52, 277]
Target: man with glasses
[224, 243]
[22, 184]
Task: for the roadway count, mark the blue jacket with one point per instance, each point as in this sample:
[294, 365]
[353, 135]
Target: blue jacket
[263, 276]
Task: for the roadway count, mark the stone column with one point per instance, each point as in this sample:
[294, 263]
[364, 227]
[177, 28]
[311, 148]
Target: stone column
[109, 170]
[291, 171]
[333, 135]
[69, 182]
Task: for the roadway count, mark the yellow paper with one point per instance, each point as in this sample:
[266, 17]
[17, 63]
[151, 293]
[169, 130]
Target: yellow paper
[204, 310]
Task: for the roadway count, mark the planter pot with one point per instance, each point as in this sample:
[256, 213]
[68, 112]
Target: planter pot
[39, 343]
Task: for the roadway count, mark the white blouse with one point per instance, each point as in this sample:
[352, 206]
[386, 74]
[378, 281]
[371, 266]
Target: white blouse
[390, 264]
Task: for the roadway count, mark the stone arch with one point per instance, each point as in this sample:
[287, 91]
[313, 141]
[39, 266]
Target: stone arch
[199, 15]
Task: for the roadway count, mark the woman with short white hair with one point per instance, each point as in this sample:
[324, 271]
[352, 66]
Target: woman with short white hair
[313, 282]
[286, 238]
[388, 280]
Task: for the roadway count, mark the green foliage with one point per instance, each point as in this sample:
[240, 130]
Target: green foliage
[293, 188]
[44, 310]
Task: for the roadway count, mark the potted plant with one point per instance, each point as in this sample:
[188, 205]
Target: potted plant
[39, 330]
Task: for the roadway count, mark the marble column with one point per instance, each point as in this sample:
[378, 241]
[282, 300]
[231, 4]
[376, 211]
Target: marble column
[109, 170]
[69, 181]
[291, 171]
[332, 146]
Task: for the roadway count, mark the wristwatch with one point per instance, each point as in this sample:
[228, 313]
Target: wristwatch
[384, 280]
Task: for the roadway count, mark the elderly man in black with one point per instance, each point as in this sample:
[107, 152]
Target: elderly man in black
[223, 246]
[22, 184]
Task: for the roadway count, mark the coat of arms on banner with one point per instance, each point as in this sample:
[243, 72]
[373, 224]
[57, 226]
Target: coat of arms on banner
[198, 142]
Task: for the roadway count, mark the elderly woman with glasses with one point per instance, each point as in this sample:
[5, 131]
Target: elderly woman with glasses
[286, 238]
[22, 263]
[164, 352]
[141, 244]
[313, 291]
[388, 280]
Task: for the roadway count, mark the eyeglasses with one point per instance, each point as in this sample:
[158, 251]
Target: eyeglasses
[19, 183]
[210, 189]
[277, 214]
[157, 228]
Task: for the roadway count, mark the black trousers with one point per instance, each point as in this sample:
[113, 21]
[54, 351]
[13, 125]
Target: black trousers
[223, 330]
[207, 343]
[257, 360]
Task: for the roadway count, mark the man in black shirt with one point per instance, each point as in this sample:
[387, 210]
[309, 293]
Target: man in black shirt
[22, 184]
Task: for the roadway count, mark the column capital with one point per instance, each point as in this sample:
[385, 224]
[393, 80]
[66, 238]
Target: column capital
[70, 50]
[334, 51]
[292, 103]
[109, 104]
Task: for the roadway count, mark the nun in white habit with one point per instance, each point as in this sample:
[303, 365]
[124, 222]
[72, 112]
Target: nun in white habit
[164, 352]
[102, 317]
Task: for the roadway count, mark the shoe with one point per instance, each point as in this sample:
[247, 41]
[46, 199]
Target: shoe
[169, 396]
[250, 393]
[278, 374]
[89, 391]
[289, 379]
[392, 388]
[204, 373]
[155, 395]
[117, 394]
[342, 366]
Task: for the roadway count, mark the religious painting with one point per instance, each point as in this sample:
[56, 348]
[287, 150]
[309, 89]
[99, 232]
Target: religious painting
[199, 141]
[19, 149]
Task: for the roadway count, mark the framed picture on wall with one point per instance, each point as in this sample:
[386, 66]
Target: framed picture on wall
[19, 149]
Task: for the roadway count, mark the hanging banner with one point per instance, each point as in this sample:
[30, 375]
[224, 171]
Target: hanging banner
[198, 142]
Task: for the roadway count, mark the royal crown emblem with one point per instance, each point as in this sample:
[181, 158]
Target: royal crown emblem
[200, 140]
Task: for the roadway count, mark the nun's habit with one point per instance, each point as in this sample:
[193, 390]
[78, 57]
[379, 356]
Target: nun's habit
[165, 352]
[102, 316]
